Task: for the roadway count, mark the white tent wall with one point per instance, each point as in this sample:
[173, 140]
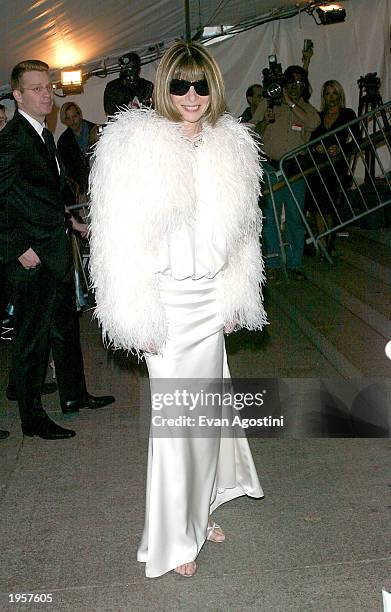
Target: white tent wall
[342, 51]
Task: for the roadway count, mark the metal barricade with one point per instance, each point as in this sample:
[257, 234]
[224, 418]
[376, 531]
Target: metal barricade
[274, 182]
[81, 257]
[347, 176]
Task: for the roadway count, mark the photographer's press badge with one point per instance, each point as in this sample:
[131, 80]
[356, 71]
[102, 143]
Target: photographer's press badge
[297, 127]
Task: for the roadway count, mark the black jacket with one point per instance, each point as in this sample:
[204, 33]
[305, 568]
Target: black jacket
[118, 94]
[32, 199]
[76, 164]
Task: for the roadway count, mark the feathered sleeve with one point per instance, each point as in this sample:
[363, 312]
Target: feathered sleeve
[125, 225]
[241, 297]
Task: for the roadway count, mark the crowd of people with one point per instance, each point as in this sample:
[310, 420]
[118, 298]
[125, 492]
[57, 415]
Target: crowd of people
[281, 128]
[176, 258]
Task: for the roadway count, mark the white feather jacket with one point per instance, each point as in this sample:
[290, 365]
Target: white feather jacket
[147, 181]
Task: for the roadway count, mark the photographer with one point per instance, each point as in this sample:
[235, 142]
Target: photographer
[254, 93]
[253, 97]
[129, 89]
[283, 125]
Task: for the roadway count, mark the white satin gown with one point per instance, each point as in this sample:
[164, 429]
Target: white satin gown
[188, 477]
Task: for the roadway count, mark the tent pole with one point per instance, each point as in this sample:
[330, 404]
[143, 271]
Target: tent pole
[187, 20]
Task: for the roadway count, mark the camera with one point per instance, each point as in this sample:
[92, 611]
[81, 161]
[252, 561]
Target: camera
[129, 68]
[370, 83]
[308, 44]
[273, 82]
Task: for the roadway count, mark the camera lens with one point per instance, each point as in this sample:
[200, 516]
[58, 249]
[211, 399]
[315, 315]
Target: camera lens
[274, 90]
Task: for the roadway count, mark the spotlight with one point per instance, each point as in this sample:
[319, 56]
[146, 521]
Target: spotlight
[331, 13]
[71, 81]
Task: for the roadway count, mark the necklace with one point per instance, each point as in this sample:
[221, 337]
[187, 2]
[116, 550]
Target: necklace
[196, 141]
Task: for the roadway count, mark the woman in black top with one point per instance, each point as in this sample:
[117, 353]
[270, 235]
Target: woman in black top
[334, 114]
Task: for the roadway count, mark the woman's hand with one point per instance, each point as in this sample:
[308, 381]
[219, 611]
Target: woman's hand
[320, 149]
[149, 348]
[333, 150]
[230, 326]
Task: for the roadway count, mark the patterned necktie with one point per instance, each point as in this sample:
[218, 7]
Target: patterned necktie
[49, 142]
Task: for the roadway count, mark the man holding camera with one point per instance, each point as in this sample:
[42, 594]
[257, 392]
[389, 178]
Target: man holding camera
[283, 127]
[129, 89]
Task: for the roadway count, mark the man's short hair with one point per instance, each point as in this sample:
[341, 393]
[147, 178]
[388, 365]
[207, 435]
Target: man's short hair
[307, 89]
[65, 108]
[250, 90]
[26, 66]
[2, 107]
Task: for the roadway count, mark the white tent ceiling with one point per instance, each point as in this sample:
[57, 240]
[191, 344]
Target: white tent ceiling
[63, 32]
[71, 32]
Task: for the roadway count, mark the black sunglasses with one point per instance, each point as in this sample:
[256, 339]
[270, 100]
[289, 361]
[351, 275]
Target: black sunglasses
[180, 87]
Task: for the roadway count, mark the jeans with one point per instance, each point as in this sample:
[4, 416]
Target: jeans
[294, 228]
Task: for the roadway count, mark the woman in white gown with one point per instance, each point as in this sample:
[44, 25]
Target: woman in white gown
[176, 262]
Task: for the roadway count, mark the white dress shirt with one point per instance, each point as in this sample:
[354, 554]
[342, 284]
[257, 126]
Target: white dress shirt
[38, 127]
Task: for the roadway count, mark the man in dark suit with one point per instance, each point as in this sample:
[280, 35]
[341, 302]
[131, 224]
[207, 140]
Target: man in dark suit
[3, 293]
[74, 145]
[35, 247]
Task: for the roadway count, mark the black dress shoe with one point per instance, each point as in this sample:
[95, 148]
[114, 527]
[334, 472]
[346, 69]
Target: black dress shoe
[46, 429]
[88, 401]
[47, 388]
[4, 434]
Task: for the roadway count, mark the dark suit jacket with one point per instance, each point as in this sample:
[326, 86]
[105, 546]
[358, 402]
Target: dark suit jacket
[32, 199]
[76, 164]
[119, 93]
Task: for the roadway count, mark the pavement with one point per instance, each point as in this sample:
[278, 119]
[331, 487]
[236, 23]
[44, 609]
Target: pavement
[72, 510]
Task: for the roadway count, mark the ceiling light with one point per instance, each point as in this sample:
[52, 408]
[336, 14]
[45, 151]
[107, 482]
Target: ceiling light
[331, 13]
[71, 80]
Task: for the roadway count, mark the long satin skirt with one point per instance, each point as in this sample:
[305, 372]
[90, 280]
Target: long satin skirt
[189, 477]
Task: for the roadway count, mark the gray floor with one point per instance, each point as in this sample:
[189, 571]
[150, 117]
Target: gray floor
[320, 540]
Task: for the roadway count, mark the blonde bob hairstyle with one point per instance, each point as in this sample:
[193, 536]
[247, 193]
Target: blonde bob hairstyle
[65, 108]
[189, 61]
[340, 91]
